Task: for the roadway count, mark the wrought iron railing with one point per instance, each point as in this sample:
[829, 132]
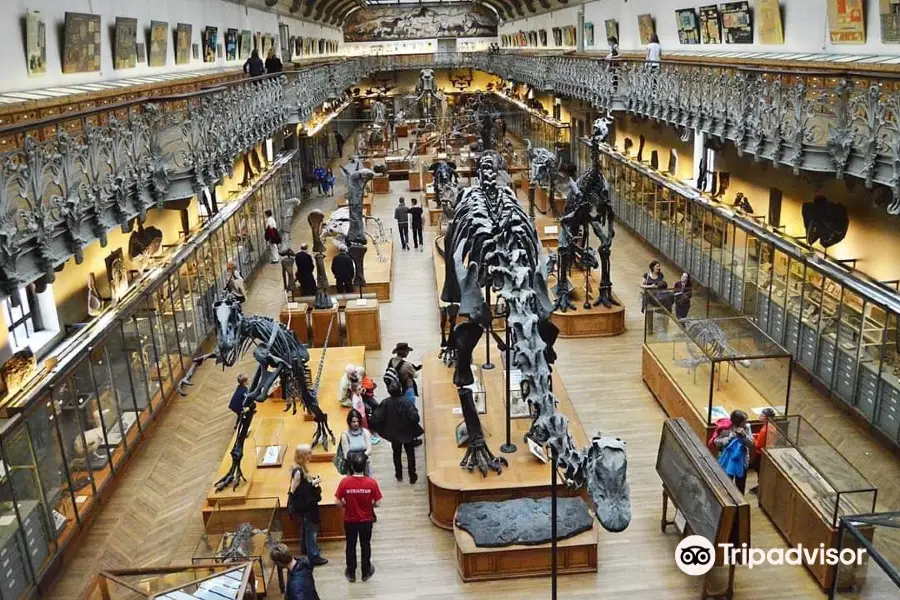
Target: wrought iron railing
[66, 181]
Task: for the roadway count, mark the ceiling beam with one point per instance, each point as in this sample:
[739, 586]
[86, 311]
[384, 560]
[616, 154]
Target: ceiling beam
[503, 7]
[340, 12]
[517, 4]
[309, 4]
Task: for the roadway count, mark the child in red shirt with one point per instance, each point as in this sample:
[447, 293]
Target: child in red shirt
[359, 495]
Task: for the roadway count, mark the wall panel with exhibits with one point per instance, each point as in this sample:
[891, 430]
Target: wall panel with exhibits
[223, 15]
[805, 26]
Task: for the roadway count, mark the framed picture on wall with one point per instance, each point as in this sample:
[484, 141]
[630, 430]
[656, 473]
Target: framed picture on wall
[542, 34]
[588, 35]
[81, 44]
[231, 39]
[890, 25]
[183, 33]
[737, 23]
[159, 43]
[646, 28]
[209, 38]
[770, 28]
[125, 56]
[246, 44]
[35, 43]
[557, 37]
[612, 28]
[710, 27]
[688, 31]
[846, 22]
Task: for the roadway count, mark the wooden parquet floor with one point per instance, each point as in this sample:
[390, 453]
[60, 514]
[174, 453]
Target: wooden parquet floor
[153, 518]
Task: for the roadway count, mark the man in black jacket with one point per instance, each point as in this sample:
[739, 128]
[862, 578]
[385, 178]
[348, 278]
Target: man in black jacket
[343, 270]
[306, 271]
[397, 421]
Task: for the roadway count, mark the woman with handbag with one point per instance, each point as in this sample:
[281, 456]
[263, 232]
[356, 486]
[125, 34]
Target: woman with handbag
[304, 496]
[356, 439]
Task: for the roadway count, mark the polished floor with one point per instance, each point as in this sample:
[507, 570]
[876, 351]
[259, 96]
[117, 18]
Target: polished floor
[153, 518]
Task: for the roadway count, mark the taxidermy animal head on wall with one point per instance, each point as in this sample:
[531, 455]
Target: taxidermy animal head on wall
[825, 222]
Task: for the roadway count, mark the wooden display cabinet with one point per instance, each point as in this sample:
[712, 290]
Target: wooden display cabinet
[363, 323]
[295, 316]
[806, 486]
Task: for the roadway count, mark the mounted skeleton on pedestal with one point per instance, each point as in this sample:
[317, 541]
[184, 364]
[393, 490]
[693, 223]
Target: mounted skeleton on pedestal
[280, 357]
[587, 209]
[491, 242]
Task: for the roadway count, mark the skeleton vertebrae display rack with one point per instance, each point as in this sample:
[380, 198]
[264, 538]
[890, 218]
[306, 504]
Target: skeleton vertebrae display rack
[491, 242]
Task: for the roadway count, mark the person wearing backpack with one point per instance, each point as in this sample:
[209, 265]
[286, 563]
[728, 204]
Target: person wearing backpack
[304, 495]
[735, 444]
[405, 371]
[398, 422]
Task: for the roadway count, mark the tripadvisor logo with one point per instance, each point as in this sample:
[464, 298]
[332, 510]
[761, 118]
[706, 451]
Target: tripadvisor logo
[695, 555]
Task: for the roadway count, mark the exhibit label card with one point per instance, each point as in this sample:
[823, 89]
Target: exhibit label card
[737, 23]
[710, 28]
[770, 28]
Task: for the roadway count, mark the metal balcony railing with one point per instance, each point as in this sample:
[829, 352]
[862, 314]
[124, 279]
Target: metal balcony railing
[66, 181]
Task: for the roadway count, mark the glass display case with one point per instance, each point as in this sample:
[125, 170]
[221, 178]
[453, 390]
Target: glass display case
[877, 575]
[806, 486]
[829, 482]
[245, 534]
[13, 550]
[838, 325]
[703, 369]
[65, 438]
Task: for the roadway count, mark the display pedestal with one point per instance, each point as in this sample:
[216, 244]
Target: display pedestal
[367, 204]
[295, 316]
[381, 184]
[264, 484]
[577, 554]
[448, 484]
[320, 321]
[363, 324]
[415, 181]
[596, 321]
[378, 273]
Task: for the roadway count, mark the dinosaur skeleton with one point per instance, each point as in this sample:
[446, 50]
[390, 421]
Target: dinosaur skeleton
[544, 169]
[707, 339]
[279, 356]
[238, 546]
[338, 225]
[587, 209]
[446, 188]
[357, 178]
[493, 243]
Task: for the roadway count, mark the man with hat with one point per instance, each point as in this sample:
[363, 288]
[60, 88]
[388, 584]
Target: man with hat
[406, 371]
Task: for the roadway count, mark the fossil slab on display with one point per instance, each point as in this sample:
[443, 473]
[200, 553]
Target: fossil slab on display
[522, 521]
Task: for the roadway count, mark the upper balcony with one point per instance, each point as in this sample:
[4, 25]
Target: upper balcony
[67, 179]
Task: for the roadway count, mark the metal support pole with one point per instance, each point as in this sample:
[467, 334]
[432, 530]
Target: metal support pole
[488, 365]
[531, 193]
[508, 447]
[553, 547]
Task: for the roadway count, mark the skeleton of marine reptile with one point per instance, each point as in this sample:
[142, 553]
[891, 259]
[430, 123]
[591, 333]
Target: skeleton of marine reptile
[491, 242]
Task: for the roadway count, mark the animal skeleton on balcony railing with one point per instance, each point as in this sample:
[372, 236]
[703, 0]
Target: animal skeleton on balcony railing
[588, 208]
[277, 349]
[492, 242]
